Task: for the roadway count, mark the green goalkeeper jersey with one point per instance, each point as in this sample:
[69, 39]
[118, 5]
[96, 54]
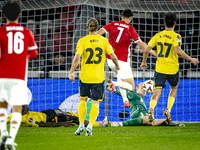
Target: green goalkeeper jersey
[137, 104]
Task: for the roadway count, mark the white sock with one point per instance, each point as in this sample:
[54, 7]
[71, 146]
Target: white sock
[124, 85]
[3, 121]
[89, 125]
[120, 123]
[17, 117]
[81, 124]
[123, 93]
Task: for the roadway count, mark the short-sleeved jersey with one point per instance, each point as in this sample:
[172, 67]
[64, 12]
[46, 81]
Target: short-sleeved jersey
[31, 119]
[93, 49]
[167, 61]
[120, 35]
[15, 42]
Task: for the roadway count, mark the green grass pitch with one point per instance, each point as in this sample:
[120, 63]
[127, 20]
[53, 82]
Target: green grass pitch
[110, 138]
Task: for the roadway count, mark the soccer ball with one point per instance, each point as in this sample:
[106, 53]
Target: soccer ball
[148, 86]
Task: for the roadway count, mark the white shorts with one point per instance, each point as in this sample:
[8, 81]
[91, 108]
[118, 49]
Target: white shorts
[125, 71]
[13, 91]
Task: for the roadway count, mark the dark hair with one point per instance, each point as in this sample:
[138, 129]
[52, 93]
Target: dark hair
[170, 19]
[11, 10]
[127, 13]
[92, 24]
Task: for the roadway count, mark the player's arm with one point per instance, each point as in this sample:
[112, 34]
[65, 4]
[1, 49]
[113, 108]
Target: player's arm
[54, 124]
[143, 66]
[32, 48]
[130, 95]
[101, 31]
[32, 54]
[118, 92]
[183, 55]
[144, 46]
[75, 63]
[115, 61]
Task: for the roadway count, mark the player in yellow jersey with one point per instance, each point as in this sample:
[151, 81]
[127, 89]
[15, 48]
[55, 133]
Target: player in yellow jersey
[92, 48]
[168, 45]
[52, 118]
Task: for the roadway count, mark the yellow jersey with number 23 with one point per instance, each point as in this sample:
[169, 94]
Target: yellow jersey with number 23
[167, 61]
[93, 49]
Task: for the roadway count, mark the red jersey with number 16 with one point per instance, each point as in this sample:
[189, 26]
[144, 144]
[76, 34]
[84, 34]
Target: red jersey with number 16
[16, 43]
[120, 34]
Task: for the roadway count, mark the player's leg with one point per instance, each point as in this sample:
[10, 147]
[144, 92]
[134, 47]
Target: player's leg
[82, 110]
[3, 113]
[103, 123]
[153, 103]
[111, 87]
[3, 124]
[97, 94]
[159, 83]
[16, 95]
[158, 122]
[173, 81]
[127, 83]
[124, 79]
[84, 92]
[131, 122]
[15, 121]
[93, 116]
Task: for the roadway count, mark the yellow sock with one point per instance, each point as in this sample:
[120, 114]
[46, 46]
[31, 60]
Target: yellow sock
[153, 103]
[94, 113]
[82, 110]
[95, 124]
[170, 103]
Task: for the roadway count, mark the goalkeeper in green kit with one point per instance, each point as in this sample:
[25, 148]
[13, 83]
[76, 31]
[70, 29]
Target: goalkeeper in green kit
[139, 115]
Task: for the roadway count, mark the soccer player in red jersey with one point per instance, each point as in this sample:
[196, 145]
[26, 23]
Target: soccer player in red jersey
[120, 34]
[17, 45]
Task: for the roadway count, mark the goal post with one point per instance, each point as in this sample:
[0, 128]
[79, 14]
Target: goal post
[59, 24]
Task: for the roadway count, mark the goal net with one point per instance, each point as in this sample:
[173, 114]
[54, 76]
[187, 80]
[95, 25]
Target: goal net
[58, 25]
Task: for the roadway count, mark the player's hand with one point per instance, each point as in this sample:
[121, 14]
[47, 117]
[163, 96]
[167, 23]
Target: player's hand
[117, 67]
[195, 61]
[29, 57]
[143, 66]
[71, 77]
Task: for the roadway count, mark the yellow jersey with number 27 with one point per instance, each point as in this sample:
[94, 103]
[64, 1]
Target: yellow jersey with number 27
[167, 61]
[93, 49]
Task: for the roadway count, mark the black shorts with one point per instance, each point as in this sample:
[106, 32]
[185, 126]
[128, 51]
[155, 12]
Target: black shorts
[160, 79]
[53, 117]
[93, 91]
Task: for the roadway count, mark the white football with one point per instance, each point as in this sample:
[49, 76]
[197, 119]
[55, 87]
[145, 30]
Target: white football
[148, 86]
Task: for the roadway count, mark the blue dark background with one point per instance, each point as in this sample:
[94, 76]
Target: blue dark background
[50, 93]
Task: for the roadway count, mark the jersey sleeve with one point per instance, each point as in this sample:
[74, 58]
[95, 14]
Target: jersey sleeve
[32, 45]
[152, 42]
[132, 96]
[109, 49]
[107, 27]
[118, 92]
[177, 40]
[134, 35]
[79, 47]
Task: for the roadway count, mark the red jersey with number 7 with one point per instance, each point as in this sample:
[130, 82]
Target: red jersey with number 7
[16, 43]
[120, 35]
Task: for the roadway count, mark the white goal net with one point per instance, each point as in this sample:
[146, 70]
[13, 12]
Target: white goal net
[58, 25]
